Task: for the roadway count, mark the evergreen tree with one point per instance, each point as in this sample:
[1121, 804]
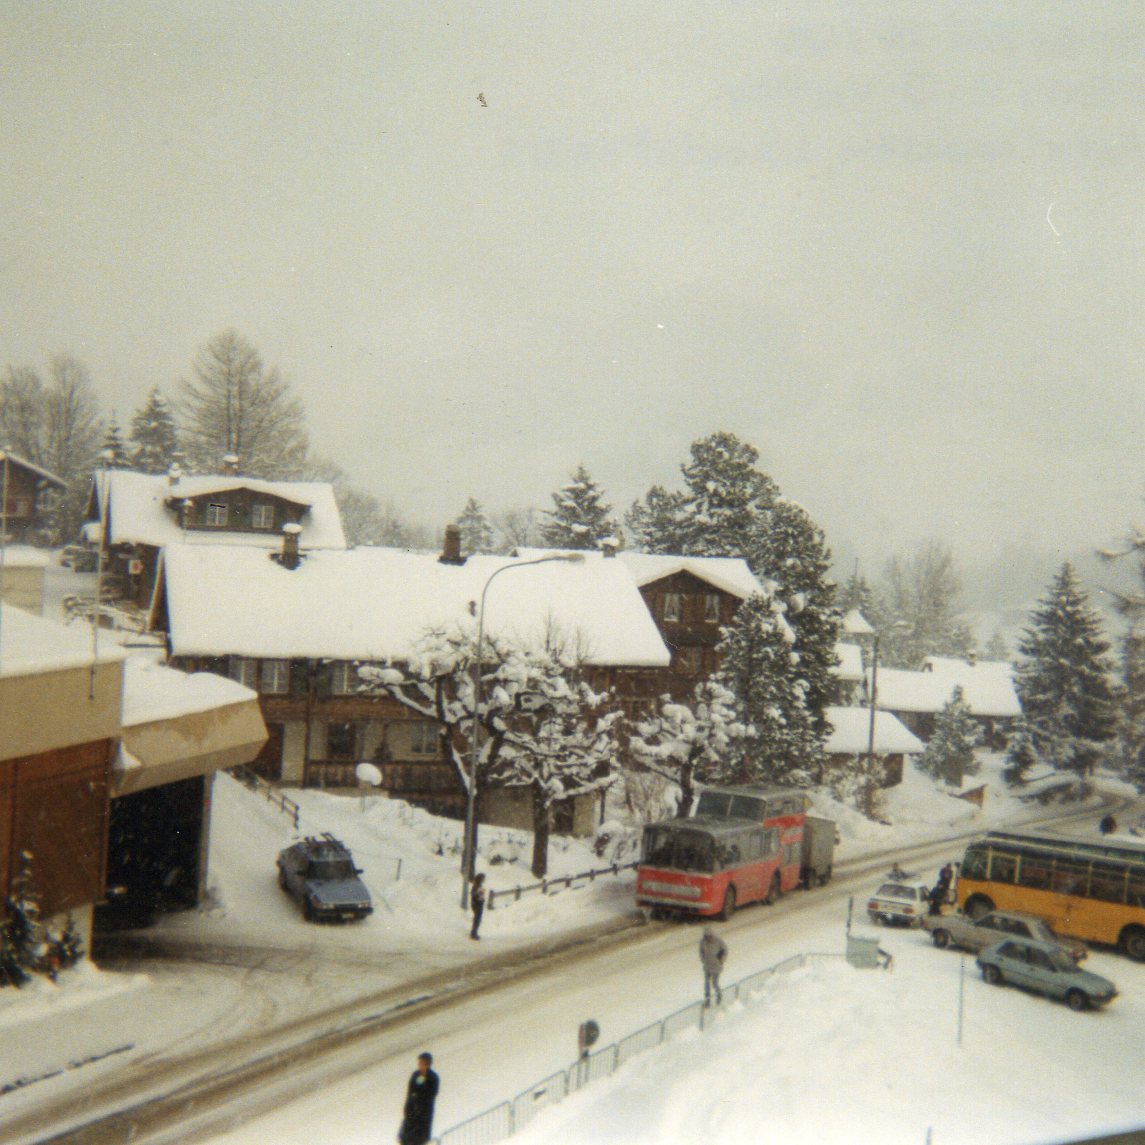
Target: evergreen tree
[949, 754]
[996, 648]
[154, 436]
[235, 406]
[580, 517]
[476, 532]
[25, 929]
[656, 524]
[1020, 756]
[1063, 678]
[1131, 692]
[859, 595]
[113, 451]
[760, 667]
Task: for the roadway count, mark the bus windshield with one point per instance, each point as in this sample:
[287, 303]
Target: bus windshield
[669, 847]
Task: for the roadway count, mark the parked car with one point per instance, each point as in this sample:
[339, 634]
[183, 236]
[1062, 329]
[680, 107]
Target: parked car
[898, 902]
[976, 934]
[1046, 969]
[79, 558]
[320, 873]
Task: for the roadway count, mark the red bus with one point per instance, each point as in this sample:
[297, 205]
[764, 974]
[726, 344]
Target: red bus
[779, 807]
[705, 866]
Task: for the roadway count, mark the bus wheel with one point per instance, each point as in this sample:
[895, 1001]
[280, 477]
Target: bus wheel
[773, 891]
[1133, 942]
[729, 907]
[978, 905]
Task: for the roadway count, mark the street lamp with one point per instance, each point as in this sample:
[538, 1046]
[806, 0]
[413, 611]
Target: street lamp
[469, 843]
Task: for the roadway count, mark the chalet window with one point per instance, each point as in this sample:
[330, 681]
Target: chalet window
[262, 517]
[423, 738]
[712, 606]
[343, 678]
[341, 740]
[690, 661]
[215, 516]
[275, 677]
[244, 670]
[672, 605]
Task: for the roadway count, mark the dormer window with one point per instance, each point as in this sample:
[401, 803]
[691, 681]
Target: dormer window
[672, 605]
[262, 516]
[215, 516]
[712, 606]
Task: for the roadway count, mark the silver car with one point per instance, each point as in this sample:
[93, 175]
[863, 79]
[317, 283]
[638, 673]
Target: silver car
[976, 934]
[1046, 969]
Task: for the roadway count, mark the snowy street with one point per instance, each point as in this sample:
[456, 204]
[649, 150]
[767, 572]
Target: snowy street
[324, 1009]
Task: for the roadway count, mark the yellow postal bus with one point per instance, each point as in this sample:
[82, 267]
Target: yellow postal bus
[1091, 890]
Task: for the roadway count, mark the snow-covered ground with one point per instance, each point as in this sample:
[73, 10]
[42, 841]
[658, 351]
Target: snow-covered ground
[827, 1054]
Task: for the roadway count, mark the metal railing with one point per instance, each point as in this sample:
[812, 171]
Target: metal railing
[513, 894]
[257, 784]
[510, 1117]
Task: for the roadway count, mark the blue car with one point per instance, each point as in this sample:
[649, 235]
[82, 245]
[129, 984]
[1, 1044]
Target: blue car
[1046, 969]
[320, 873]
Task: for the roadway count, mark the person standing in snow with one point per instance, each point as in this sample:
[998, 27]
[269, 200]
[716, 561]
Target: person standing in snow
[941, 891]
[713, 955]
[477, 902]
[421, 1093]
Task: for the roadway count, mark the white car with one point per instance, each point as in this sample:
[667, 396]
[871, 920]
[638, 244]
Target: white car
[899, 903]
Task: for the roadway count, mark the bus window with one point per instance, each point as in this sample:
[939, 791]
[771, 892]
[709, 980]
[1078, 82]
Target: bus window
[975, 863]
[1107, 882]
[748, 807]
[694, 852]
[1003, 868]
[1137, 886]
[1035, 872]
[1071, 876]
[714, 803]
[658, 847]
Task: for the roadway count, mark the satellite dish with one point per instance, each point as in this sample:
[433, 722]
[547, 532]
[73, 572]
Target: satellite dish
[368, 774]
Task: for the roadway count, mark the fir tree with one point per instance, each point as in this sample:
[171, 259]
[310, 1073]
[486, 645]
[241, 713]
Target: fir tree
[949, 754]
[154, 436]
[1020, 756]
[1131, 709]
[656, 524]
[25, 929]
[476, 532]
[996, 648]
[760, 667]
[113, 452]
[580, 517]
[1063, 678]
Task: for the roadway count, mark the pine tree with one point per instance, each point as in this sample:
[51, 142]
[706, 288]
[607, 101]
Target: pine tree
[580, 518]
[760, 667]
[476, 532]
[154, 436]
[25, 929]
[656, 524]
[113, 451]
[949, 754]
[1131, 708]
[1063, 678]
[996, 647]
[1020, 755]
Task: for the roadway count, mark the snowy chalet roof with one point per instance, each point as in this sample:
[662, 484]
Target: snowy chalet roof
[24, 463]
[987, 687]
[851, 729]
[139, 510]
[731, 574]
[31, 644]
[856, 624]
[377, 604]
[25, 557]
[850, 666]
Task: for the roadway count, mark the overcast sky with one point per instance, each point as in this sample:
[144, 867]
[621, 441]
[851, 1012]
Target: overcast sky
[897, 247]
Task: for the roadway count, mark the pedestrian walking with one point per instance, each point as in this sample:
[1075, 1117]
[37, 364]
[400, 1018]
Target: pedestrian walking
[421, 1093]
[477, 903]
[941, 890]
[1108, 825]
[713, 955]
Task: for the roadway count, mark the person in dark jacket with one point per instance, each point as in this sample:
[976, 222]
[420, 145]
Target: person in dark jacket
[713, 955]
[941, 891]
[421, 1093]
[477, 902]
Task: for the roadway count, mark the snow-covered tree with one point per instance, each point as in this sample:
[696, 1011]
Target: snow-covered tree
[859, 595]
[1063, 678]
[539, 724]
[517, 528]
[996, 647]
[686, 742]
[113, 451]
[1020, 755]
[1131, 686]
[25, 928]
[154, 435]
[656, 524]
[476, 532]
[235, 406]
[760, 667]
[580, 517]
[949, 753]
[918, 602]
[23, 409]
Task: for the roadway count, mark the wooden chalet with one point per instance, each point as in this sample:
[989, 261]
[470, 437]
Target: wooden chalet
[28, 494]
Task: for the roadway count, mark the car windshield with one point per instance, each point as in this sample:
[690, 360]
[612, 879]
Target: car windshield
[330, 869]
[1059, 960]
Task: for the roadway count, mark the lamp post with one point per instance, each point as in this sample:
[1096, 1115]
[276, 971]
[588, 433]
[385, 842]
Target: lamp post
[469, 843]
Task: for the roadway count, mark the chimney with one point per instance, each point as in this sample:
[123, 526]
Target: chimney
[609, 546]
[290, 557]
[451, 548]
[174, 473]
[231, 465]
